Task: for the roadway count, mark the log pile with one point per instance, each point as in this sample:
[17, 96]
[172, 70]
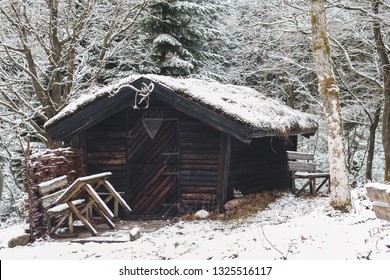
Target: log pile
[50, 164]
[44, 166]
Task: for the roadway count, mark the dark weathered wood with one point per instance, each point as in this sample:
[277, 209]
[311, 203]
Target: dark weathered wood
[199, 158]
[152, 163]
[93, 114]
[201, 113]
[224, 166]
[260, 166]
[292, 155]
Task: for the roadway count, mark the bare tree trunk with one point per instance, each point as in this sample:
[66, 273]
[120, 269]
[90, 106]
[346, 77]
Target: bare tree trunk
[290, 96]
[1, 183]
[384, 58]
[371, 143]
[329, 92]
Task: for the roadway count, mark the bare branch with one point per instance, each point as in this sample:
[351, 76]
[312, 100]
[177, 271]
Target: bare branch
[350, 64]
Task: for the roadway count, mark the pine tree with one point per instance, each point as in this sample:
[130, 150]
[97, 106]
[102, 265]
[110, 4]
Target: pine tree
[179, 35]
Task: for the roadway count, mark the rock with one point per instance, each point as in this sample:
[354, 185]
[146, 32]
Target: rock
[233, 204]
[202, 214]
[237, 193]
[135, 234]
[21, 240]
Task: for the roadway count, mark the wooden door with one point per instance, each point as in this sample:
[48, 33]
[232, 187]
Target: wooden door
[152, 162]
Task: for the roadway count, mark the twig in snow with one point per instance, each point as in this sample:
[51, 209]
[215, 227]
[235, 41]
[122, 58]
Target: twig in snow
[276, 249]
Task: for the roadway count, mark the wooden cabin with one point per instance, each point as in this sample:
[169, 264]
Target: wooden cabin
[182, 144]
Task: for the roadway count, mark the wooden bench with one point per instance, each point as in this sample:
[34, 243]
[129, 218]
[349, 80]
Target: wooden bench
[50, 191]
[379, 194]
[78, 200]
[85, 187]
[301, 166]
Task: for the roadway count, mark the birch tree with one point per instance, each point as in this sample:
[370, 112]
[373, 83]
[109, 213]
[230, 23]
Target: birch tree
[329, 92]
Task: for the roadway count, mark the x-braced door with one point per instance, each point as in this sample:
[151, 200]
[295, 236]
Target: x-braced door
[152, 162]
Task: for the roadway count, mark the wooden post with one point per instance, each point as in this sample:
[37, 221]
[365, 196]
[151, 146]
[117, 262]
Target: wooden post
[223, 172]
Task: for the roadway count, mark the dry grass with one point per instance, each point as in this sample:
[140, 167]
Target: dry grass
[252, 204]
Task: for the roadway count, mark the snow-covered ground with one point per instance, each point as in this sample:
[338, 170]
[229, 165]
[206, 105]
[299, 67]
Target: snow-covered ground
[290, 228]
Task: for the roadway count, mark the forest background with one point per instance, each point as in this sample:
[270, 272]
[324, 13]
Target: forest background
[51, 51]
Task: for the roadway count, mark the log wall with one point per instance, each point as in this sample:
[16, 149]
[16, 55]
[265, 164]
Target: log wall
[199, 147]
[260, 166]
[105, 149]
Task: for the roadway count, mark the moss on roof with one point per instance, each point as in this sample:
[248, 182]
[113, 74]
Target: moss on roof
[239, 103]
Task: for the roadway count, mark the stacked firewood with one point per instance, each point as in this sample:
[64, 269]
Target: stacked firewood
[44, 166]
[51, 164]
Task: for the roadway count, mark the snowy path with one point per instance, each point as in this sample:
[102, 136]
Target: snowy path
[292, 228]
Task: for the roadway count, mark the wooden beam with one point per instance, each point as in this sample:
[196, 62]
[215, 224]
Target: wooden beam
[301, 166]
[292, 155]
[116, 196]
[223, 172]
[81, 218]
[94, 113]
[52, 185]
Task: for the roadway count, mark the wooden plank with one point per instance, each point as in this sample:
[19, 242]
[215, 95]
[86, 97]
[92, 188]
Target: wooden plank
[303, 175]
[117, 196]
[53, 230]
[199, 179]
[292, 155]
[49, 200]
[99, 202]
[70, 223]
[301, 166]
[70, 192]
[93, 179]
[199, 166]
[197, 156]
[193, 189]
[379, 193]
[199, 196]
[82, 218]
[160, 194]
[382, 210]
[103, 216]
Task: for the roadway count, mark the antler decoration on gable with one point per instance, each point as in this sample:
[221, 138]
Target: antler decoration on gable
[142, 94]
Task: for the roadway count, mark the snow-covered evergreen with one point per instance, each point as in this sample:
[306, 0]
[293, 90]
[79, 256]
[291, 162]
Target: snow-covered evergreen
[179, 33]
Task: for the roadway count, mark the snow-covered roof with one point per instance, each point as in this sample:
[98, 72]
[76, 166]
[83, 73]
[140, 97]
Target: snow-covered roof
[242, 104]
